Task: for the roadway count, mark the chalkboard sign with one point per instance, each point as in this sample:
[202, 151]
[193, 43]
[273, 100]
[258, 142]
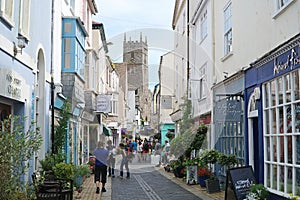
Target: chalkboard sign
[238, 182]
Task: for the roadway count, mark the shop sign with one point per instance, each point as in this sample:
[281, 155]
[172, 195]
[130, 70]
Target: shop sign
[228, 110]
[103, 103]
[286, 61]
[12, 84]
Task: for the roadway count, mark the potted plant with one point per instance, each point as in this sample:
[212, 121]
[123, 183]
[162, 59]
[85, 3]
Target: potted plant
[212, 184]
[227, 160]
[257, 192]
[178, 168]
[203, 173]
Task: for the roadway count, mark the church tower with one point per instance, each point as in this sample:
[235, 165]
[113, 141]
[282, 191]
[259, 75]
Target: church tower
[135, 54]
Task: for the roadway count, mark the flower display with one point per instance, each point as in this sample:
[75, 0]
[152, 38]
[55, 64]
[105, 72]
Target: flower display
[203, 171]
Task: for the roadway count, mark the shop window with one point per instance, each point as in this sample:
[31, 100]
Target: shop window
[282, 142]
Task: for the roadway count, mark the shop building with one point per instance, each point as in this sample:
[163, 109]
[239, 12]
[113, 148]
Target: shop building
[272, 119]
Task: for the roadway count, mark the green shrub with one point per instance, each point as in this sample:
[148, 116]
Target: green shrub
[63, 170]
[17, 146]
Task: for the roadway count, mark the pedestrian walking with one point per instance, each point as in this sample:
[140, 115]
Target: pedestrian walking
[111, 162]
[124, 161]
[145, 149]
[139, 150]
[101, 155]
[166, 151]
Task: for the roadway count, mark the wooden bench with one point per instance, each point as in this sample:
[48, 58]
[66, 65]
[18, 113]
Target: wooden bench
[53, 188]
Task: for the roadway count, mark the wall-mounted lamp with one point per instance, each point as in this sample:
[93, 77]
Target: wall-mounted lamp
[21, 45]
[105, 45]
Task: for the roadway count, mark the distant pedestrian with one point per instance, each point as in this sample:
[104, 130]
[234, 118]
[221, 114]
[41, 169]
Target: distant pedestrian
[111, 162]
[101, 166]
[157, 147]
[139, 150]
[145, 149]
[166, 151]
[124, 161]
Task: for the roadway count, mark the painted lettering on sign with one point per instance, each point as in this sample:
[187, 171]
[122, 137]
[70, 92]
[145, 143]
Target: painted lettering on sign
[13, 86]
[289, 62]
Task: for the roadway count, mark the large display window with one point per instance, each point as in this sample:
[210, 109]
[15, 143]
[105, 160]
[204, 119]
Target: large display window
[281, 114]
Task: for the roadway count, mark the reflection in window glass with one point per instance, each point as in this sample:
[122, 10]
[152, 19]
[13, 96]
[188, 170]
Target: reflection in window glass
[268, 175]
[266, 95]
[267, 122]
[282, 127]
[297, 149]
[298, 182]
[268, 148]
[290, 149]
[273, 93]
[296, 85]
[273, 118]
[274, 146]
[297, 117]
[281, 148]
[280, 91]
[287, 88]
[274, 177]
[289, 180]
[281, 179]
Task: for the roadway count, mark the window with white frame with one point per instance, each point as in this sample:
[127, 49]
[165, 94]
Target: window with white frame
[203, 25]
[281, 119]
[202, 82]
[282, 3]
[24, 24]
[227, 30]
[114, 104]
[7, 11]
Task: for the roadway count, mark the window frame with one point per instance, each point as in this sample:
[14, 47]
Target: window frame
[227, 16]
[281, 133]
[203, 26]
[9, 19]
[24, 17]
[278, 9]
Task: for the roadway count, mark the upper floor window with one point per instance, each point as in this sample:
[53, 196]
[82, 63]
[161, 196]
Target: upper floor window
[73, 49]
[282, 3]
[203, 25]
[7, 11]
[24, 18]
[227, 30]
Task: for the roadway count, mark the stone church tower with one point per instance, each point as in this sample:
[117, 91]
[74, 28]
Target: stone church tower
[135, 54]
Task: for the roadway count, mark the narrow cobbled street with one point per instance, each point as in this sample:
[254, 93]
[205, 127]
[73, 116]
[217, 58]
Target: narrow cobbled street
[148, 185]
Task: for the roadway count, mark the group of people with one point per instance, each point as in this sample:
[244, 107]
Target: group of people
[106, 157]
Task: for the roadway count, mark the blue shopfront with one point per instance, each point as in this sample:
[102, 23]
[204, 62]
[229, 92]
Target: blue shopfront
[272, 119]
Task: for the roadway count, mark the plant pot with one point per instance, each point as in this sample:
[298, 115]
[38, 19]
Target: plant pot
[178, 172]
[201, 180]
[212, 185]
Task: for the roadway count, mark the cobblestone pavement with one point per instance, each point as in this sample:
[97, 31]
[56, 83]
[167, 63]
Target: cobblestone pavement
[146, 182]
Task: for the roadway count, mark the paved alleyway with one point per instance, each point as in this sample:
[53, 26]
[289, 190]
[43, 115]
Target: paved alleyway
[146, 182]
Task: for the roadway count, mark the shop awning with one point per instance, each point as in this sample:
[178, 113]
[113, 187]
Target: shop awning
[106, 131]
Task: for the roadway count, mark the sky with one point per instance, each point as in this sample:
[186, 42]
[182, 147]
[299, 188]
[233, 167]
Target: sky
[151, 17]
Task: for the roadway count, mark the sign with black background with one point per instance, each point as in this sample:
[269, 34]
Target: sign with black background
[238, 182]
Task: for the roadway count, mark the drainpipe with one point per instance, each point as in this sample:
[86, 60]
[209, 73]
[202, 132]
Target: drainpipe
[188, 48]
[52, 82]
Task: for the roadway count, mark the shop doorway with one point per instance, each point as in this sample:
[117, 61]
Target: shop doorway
[5, 111]
[253, 135]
